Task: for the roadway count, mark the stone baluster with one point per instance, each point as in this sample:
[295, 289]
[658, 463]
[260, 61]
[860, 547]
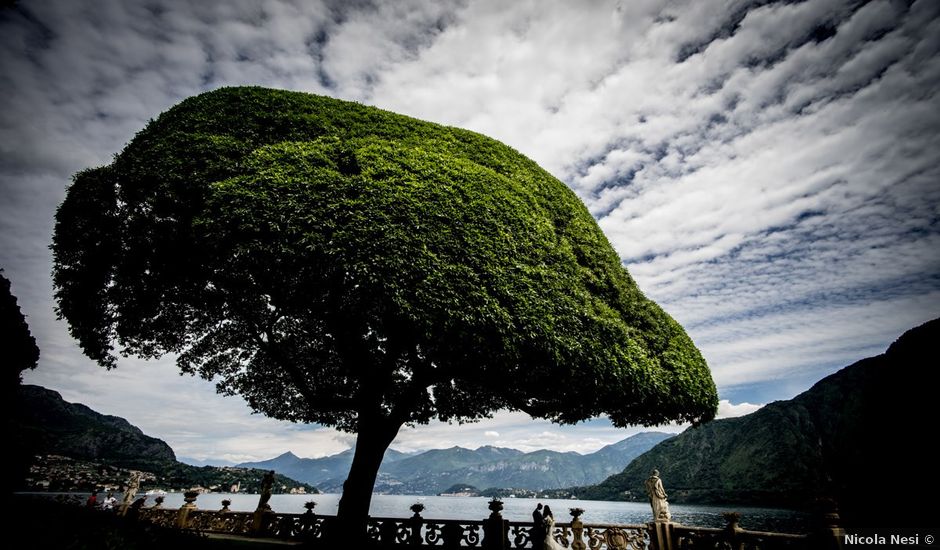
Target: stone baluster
[828, 533]
[414, 523]
[308, 522]
[577, 529]
[189, 504]
[495, 528]
[732, 534]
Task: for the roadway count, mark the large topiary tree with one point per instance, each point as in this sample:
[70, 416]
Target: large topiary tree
[338, 264]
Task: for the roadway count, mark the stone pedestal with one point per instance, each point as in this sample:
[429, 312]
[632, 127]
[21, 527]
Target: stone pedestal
[414, 526]
[661, 535]
[577, 530]
[495, 528]
[189, 497]
[261, 521]
[828, 534]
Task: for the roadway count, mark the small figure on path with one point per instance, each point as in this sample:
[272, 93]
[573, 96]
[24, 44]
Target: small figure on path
[266, 482]
[92, 500]
[538, 529]
[654, 488]
[549, 522]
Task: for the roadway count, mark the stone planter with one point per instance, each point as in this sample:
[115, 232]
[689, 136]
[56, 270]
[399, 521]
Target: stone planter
[190, 498]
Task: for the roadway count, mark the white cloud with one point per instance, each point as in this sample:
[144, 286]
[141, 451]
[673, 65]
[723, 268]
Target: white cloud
[519, 431]
[770, 182]
[726, 409]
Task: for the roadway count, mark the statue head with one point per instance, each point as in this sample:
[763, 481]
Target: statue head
[655, 473]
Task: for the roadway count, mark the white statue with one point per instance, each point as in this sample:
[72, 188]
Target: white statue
[130, 492]
[654, 488]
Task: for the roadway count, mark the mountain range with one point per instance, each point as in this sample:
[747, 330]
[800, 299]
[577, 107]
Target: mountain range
[45, 424]
[433, 471]
[857, 436]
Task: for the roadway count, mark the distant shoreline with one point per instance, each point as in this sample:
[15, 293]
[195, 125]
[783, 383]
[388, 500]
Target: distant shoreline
[516, 509]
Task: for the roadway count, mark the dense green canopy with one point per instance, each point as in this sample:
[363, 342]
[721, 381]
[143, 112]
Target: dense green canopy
[328, 260]
[20, 351]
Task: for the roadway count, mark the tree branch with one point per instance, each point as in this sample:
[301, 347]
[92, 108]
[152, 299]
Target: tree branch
[297, 378]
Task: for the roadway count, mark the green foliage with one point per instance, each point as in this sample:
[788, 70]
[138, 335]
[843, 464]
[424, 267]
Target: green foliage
[339, 264]
[20, 351]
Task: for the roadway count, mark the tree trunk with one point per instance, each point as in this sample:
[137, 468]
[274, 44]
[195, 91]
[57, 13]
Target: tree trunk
[371, 444]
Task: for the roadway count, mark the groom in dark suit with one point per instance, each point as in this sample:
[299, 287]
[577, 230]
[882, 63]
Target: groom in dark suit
[538, 527]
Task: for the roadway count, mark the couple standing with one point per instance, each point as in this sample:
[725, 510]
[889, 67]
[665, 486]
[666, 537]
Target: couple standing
[543, 524]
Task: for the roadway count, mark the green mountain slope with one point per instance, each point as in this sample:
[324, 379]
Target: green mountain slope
[101, 448]
[48, 424]
[856, 435]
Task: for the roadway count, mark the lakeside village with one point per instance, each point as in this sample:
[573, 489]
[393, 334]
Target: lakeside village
[61, 474]
[56, 473]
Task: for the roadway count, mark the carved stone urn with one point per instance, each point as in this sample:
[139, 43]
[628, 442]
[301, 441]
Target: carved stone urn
[190, 498]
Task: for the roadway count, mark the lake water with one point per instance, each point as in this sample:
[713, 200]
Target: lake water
[514, 509]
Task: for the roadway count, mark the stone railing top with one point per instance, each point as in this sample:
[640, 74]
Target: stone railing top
[741, 532]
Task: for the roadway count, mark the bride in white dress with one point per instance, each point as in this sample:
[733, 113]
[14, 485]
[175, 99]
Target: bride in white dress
[549, 521]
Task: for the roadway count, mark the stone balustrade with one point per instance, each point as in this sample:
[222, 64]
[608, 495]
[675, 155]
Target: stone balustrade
[699, 537]
[490, 532]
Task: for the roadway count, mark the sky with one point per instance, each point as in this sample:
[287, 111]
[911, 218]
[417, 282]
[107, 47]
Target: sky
[767, 171]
